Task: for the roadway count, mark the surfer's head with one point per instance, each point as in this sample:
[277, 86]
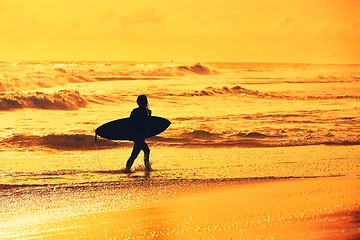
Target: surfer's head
[142, 101]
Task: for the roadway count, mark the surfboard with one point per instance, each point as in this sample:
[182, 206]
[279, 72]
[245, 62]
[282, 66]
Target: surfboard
[123, 129]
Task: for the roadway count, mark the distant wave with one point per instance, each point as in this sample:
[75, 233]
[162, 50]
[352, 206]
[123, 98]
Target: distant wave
[197, 68]
[26, 77]
[300, 80]
[330, 97]
[153, 73]
[240, 91]
[61, 100]
[237, 90]
[116, 78]
[140, 72]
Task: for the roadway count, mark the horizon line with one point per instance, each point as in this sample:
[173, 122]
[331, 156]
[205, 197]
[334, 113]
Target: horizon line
[181, 61]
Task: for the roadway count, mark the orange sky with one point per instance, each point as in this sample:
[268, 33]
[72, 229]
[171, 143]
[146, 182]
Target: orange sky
[321, 31]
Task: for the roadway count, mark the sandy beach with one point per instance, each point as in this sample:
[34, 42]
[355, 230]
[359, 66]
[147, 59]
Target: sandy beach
[294, 208]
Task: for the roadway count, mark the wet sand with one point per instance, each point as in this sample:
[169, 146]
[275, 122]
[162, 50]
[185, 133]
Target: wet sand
[300, 208]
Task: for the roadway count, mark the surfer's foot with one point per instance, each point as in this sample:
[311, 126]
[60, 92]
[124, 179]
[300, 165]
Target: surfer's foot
[147, 166]
[127, 170]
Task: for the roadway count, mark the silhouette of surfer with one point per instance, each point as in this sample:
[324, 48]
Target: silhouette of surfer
[139, 117]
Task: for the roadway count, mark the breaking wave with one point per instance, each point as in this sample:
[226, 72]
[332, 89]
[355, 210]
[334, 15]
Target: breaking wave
[194, 138]
[61, 100]
[152, 73]
[200, 134]
[248, 140]
[197, 69]
[60, 142]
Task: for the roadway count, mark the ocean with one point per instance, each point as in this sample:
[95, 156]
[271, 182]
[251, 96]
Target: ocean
[229, 121]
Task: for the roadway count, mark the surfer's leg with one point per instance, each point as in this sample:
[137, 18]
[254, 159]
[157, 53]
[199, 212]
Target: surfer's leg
[135, 152]
[146, 151]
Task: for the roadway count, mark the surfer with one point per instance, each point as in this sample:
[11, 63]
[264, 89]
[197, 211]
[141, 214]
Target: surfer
[139, 117]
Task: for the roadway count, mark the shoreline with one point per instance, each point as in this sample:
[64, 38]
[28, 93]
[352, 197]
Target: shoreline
[296, 208]
[61, 168]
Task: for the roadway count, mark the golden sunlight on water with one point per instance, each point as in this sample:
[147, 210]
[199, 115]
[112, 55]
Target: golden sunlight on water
[253, 151]
[262, 149]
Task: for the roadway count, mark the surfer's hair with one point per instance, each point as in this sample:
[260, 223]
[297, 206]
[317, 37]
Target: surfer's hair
[142, 101]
